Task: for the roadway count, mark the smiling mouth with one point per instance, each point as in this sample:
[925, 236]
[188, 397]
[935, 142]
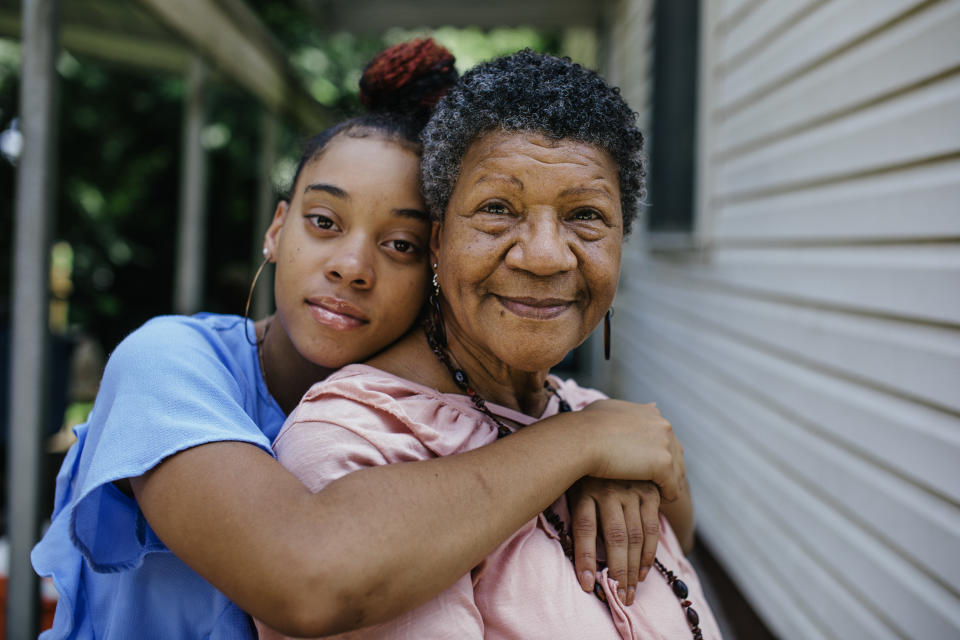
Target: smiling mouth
[536, 308]
[336, 313]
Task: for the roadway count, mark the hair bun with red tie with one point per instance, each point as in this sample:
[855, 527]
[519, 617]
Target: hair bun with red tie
[408, 78]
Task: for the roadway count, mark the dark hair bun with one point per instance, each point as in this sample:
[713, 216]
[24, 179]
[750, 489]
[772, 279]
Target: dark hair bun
[408, 78]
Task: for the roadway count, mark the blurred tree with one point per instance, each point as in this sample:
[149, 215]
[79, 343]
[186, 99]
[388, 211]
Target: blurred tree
[119, 149]
[9, 97]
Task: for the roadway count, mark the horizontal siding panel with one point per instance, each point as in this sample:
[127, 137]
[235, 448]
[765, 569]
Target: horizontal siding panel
[911, 128]
[776, 450]
[809, 354]
[822, 33]
[917, 442]
[917, 203]
[717, 461]
[758, 26]
[909, 359]
[729, 9]
[851, 567]
[814, 589]
[765, 585]
[913, 603]
[921, 47]
[910, 282]
[922, 526]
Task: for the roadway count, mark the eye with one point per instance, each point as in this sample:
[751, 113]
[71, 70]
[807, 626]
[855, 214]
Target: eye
[406, 248]
[403, 246]
[321, 221]
[585, 215]
[496, 208]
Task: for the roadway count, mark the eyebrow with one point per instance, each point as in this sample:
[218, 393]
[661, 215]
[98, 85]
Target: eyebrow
[416, 214]
[579, 191]
[327, 188]
[337, 192]
[501, 178]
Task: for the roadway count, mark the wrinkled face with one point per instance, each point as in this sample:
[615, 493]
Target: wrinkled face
[351, 251]
[529, 250]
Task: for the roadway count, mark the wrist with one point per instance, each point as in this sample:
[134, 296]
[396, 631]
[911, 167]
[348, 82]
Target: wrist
[565, 440]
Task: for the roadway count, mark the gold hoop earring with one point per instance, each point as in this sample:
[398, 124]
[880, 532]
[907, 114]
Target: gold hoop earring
[606, 334]
[246, 308]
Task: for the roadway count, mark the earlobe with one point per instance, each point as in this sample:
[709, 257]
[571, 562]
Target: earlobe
[272, 237]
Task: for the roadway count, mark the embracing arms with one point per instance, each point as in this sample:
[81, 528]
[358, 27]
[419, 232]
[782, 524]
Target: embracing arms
[381, 541]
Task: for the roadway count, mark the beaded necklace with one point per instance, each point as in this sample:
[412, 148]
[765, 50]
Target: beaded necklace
[459, 376]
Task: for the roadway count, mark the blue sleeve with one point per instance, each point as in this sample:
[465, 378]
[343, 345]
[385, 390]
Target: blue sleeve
[169, 386]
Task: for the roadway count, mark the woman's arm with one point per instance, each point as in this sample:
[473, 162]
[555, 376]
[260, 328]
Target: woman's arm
[679, 514]
[381, 541]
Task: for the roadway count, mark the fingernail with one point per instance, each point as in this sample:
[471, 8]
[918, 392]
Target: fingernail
[631, 594]
[622, 594]
[643, 573]
[586, 580]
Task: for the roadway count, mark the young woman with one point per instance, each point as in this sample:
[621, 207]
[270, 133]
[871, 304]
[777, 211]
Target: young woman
[172, 519]
[533, 171]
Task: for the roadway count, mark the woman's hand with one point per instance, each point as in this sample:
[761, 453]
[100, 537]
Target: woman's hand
[629, 517]
[634, 442]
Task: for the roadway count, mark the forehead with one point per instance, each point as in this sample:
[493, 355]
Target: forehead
[362, 159]
[506, 151]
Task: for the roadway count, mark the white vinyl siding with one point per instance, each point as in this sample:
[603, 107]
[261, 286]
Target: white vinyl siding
[807, 349]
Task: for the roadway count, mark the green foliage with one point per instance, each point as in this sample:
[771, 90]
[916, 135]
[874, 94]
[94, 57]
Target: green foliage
[9, 63]
[9, 96]
[472, 45]
[118, 198]
[119, 164]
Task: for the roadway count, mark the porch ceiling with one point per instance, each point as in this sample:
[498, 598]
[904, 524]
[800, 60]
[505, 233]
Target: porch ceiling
[375, 16]
[163, 35]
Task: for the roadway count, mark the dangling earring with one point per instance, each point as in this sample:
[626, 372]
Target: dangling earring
[246, 308]
[436, 333]
[435, 295]
[606, 333]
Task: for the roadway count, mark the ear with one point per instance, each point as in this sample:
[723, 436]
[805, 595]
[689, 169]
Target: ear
[271, 240]
[435, 232]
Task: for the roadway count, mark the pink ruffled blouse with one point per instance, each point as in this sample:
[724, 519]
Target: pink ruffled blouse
[362, 416]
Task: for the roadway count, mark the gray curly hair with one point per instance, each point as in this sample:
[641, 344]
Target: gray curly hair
[536, 92]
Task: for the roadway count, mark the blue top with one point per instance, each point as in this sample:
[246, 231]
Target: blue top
[174, 383]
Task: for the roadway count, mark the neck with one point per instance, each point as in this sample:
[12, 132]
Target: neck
[496, 381]
[288, 374]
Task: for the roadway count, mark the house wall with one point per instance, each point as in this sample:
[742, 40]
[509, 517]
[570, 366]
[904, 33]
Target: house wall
[806, 346]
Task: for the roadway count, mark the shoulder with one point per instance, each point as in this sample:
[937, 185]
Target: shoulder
[577, 396]
[373, 403]
[186, 332]
[175, 361]
[183, 341]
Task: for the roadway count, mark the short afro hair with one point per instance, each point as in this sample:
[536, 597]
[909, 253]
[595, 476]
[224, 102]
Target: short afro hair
[539, 93]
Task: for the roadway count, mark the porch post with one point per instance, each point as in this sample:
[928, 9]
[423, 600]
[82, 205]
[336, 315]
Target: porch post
[192, 225]
[29, 338]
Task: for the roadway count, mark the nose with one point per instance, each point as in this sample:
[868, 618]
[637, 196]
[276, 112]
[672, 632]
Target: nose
[542, 248]
[351, 264]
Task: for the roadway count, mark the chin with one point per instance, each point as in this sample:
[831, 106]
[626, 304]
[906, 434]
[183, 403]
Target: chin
[532, 360]
[333, 358]
[537, 350]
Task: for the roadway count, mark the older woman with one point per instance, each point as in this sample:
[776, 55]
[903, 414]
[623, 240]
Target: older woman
[533, 171]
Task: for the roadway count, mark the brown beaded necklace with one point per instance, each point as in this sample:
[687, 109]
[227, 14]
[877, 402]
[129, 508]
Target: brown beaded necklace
[436, 338]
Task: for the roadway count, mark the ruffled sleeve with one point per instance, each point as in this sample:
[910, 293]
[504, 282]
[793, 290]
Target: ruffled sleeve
[361, 417]
[169, 386]
[360, 410]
